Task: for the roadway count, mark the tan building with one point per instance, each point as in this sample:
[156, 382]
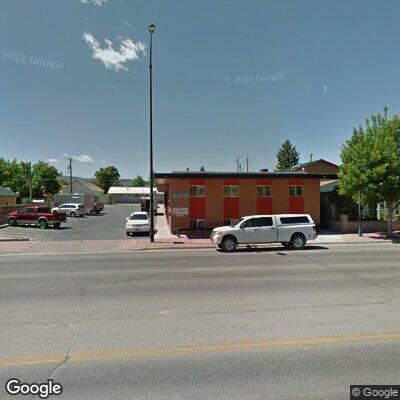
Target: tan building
[7, 197]
[201, 200]
[82, 187]
[320, 166]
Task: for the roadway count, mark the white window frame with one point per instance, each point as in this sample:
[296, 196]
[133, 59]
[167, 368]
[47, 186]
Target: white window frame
[296, 190]
[197, 223]
[197, 187]
[263, 190]
[231, 187]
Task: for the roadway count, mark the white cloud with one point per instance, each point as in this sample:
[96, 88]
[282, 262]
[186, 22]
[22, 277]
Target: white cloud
[113, 58]
[96, 2]
[84, 158]
[53, 160]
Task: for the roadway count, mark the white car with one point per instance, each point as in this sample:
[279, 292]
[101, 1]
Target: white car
[71, 209]
[292, 230]
[138, 222]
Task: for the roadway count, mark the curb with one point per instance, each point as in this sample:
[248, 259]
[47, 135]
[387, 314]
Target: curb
[11, 239]
[3, 226]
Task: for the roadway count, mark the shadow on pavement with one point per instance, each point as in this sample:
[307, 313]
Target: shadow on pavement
[277, 249]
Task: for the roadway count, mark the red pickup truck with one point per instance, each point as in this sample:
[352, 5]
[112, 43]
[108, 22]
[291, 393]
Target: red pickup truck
[36, 215]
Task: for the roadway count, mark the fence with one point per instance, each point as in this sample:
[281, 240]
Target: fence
[4, 210]
[345, 226]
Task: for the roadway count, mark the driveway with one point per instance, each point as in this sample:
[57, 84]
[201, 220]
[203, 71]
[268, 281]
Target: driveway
[110, 224]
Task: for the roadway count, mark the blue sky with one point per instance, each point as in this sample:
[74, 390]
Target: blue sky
[230, 78]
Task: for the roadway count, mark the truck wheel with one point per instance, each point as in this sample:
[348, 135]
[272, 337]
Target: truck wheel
[298, 241]
[56, 225]
[12, 222]
[43, 224]
[228, 244]
[72, 214]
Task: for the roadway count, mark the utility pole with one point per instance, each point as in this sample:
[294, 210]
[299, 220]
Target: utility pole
[237, 162]
[152, 29]
[70, 174]
[359, 214]
[30, 182]
[311, 155]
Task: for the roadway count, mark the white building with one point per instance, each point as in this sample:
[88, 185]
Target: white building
[125, 194]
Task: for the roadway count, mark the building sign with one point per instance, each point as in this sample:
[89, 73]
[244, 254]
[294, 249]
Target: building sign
[180, 211]
[180, 195]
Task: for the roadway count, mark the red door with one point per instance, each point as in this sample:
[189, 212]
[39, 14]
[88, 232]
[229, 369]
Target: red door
[296, 205]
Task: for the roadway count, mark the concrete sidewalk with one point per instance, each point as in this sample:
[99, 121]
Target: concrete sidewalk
[96, 246]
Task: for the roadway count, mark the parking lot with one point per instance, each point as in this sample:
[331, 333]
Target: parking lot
[110, 224]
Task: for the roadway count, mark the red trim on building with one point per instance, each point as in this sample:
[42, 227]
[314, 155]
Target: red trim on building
[231, 181]
[296, 182]
[231, 207]
[264, 182]
[197, 181]
[296, 205]
[197, 207]
[264, 205]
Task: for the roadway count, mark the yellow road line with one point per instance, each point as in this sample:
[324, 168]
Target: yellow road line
[132, 353]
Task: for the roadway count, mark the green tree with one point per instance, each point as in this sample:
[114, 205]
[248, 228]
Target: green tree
[106, 177]
[287, 156]
[138, 181]
[15, 175]
[202, 169]
[44, 179]
[370, 170]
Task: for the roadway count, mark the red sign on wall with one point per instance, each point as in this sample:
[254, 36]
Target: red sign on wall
[264, 205]
[231, 207]
[296, 205]
[197, 208]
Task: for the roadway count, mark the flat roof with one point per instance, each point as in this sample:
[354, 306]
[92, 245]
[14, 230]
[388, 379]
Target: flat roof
[130, 190]
[243, 175]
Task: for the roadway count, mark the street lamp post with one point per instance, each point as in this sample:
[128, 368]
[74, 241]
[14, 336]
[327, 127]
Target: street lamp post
[152, 29]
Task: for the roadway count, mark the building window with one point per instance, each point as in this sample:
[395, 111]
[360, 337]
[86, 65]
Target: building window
[294, 220]
[230, 222]
[295, 191]
[231, 190]
[197, 191]
[263, 191]
[197, 224]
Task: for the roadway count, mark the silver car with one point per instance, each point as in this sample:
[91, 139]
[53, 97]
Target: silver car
[71, 209]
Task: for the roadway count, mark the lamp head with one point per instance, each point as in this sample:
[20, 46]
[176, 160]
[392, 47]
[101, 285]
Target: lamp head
[152, 28]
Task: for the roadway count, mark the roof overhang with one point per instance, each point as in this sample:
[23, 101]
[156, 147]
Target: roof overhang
[162, 177]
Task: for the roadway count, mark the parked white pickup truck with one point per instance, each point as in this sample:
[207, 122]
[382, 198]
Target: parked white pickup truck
[292, 230]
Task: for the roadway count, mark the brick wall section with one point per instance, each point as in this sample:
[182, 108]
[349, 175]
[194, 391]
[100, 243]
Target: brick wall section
[346, 226]
[214, 209]
[7, 201]
[214, 202]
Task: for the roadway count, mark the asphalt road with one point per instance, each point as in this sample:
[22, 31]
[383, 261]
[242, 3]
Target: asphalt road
[200, 324]
[110, 224]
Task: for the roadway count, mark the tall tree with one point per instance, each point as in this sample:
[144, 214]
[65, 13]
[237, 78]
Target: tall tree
[15, 175]
[138, 181]
[370, 170]
[287, 156]
[44, 179]
[106, 177]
